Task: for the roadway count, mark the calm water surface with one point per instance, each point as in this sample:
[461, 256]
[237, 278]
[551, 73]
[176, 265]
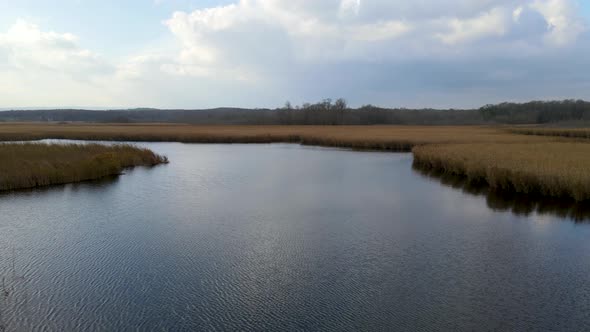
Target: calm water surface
[284, 237]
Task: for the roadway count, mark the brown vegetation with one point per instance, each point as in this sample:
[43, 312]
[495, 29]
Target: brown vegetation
[30, 165]
[391, 138]
[517, 203]
[557, 132]
[504, 158]
[557, 169]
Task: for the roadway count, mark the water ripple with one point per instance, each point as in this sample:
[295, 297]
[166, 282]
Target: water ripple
[265, 238]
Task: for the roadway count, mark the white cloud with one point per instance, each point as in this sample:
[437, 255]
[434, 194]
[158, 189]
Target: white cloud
[262, 52]
[29, 49]
[349, 7]
[293, 42]
[311, 30]
[517, 13]
[563, 25]
[492, 23]
[40, 68]
[377, 31]
[355, 30]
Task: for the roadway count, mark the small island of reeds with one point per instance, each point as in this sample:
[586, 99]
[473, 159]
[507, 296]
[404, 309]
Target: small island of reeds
[31, 165]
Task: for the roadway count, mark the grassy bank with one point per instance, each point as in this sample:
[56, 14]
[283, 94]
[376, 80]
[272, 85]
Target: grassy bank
[557, 169]
[32, 165]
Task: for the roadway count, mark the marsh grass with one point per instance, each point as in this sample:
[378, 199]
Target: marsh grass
[583, 133]
[30, 165]
[388, 138]
[508, 158]
[555, 169]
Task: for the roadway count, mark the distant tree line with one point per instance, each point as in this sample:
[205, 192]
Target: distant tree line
[539, 112]
[326, 112]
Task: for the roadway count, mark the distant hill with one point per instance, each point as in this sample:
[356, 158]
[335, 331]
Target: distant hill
[326, 112]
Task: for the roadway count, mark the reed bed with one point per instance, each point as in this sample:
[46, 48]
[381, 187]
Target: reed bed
[555, 169]
[30, 165]
[390, 138]
[504, 158]
[583, 133]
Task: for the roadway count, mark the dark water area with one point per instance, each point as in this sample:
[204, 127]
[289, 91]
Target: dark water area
[284, 237]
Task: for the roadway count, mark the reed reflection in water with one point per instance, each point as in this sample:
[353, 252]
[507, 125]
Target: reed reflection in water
[516, 203]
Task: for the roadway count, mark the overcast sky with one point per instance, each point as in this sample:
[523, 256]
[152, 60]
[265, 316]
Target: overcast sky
[261, 53]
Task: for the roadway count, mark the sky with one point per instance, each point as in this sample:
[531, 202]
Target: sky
[262, 53]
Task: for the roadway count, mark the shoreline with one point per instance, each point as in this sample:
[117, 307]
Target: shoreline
[553, 169]
[436, 147]
[502, 200]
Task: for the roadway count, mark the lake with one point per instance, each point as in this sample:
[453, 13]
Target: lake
[283, 237]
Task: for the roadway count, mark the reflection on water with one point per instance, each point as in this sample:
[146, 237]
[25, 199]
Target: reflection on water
[517, 203]
[83, 185]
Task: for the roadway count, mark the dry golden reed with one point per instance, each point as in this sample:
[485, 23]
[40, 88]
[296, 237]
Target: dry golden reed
[29, 165]
[503, 157]
[391, 138]
[557, 132]
[559, 169]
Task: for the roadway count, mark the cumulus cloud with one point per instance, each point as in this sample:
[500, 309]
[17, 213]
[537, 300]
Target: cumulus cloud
[263, 37]
[492, 23]
[262, 52]
[27, 48]
[351, 28]
[305, 29]
[41, 68]
[562, 24]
